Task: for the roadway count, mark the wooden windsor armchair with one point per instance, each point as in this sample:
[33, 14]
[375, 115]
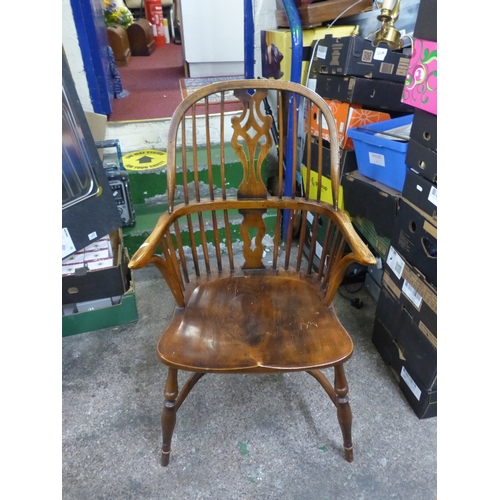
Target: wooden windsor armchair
[250, 299]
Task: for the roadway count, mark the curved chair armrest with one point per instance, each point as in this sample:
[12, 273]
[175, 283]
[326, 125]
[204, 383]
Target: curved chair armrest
[166, 264]
[360, 254]
[142, 257]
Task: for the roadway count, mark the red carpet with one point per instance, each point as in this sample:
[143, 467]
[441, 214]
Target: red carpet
[153, 85]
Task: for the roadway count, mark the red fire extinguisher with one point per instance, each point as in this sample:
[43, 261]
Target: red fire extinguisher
[154, 14]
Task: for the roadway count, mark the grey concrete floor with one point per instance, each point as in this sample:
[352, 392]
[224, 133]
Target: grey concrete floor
[237, 436]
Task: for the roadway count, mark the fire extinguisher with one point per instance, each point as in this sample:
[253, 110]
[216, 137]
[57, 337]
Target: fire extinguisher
[154, 14]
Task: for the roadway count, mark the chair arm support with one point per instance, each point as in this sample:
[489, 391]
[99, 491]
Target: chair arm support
[360, 254]
[146, 255]
[142, 257]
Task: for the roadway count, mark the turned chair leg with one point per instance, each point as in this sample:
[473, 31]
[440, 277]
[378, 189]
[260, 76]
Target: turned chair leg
[173, 401]
[344, 410]
[338, 395]
[168, 417]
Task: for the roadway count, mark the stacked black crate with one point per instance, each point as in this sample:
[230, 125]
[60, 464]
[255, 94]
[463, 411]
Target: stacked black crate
[350, 72]
[405, 328]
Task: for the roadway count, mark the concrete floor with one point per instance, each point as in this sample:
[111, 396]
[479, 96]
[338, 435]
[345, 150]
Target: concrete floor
[237, 436]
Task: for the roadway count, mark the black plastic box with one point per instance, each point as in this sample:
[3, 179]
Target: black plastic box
[373, 94]
[356, 56]
[371, 200]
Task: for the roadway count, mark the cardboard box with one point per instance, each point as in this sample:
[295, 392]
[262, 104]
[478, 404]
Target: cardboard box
[415, 239]
[415, 294]
[355, 272]
[424, 129]
[356, 56]
[372, 200]
[372, 286]
[318, 13]
[347, 116]
[379, 155]
[367, 231]
[417, 349]
[317, 244]
[420, 89]
[426, 23]
[347, 162]
[423, 160]
[97, 124]
[123, 312]
[423, 401]
[340, 111]
[367, 92]
[376, 272]
[422, 193]
[85, 284]
[276, 50]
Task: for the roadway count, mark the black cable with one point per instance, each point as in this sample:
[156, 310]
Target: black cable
[355, 301]
[354, 291]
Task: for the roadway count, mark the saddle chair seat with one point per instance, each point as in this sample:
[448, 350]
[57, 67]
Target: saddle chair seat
[256, 323]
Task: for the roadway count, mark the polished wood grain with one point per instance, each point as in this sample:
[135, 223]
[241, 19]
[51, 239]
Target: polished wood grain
[245, 304]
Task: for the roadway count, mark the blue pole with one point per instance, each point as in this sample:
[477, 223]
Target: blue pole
[296, 30]
[295, 76]
[249, 39]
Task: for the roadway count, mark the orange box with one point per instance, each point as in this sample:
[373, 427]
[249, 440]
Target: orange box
[359, 117]
[346, 116]
[340, 111]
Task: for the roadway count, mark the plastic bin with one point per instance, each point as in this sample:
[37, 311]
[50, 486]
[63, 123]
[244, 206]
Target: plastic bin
[381, 158]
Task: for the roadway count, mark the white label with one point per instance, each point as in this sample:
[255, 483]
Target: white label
[395, 262]
[310, 217]
[433, 196]
[380, 54]
[67, 243]
[410, 383]
[321, 52]
[92, 236]
[311, 84]
[376, 159]
[324, 124]
[412, 294]
[319, 250]
[419, 188]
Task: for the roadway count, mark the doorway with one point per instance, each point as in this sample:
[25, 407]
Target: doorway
[152, 82]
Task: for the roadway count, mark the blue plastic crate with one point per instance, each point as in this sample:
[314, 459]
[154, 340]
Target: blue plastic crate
[381, 158]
